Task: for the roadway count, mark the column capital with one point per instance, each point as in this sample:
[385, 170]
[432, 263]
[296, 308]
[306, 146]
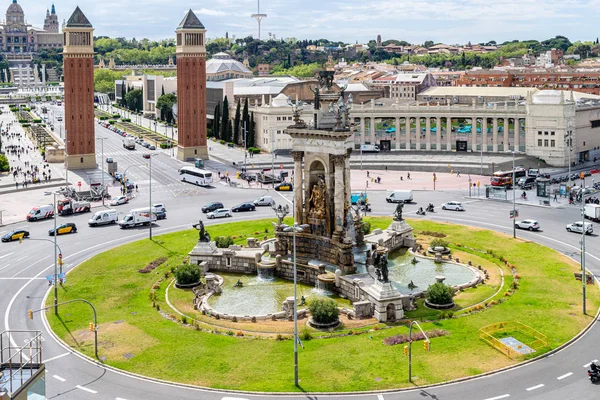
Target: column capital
[297, 155]
[339, 160]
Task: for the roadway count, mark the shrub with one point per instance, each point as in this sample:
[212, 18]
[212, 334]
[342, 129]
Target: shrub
[103, 118]
[305, 335]
[253, 150]
[184, 319]
[112, 121]
[26, 125]
[23, 121]
[223, 242]
[126, 119]
[4, 166]
[37, 121]
[187, 274]
[438, 242]
[222, 141]
[116, 115]
[366, 227]
[324, 311]
[438, 293]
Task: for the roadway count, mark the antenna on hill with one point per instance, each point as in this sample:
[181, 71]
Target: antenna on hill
[258, 17]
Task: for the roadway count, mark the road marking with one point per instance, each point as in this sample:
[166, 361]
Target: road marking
[57, 357]
[535, 387]
[86, 389]
[285, 198]
[379, 397]
[59, 378]
[6, 255]
[590, 363]
[6, 266]
[119, 398]
[564, 376]
[21, 259]
[498, 397]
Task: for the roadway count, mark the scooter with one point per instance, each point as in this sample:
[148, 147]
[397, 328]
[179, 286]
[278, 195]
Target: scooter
[420, 211]
[430, 208]
[594, 373]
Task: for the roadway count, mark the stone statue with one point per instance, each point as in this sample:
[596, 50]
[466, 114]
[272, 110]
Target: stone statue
[203, 236]
[317, 199]
[398, 212]
[383, 261]
[315, 91]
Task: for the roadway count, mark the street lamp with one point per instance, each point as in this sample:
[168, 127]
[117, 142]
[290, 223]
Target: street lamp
[54, 211]
[294, 229]
[514, 216]
[148, 157]
[102, 166]
[568, 142]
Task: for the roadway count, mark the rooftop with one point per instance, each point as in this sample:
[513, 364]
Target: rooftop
[190, 21]
[78, 20]
[477, 91]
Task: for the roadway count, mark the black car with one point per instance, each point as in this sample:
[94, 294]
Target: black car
[212, 207]
[15, 235]
[244, 207]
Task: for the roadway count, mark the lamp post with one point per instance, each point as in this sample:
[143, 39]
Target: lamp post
[295, 228]
[148, 156]
[514, 216]
[102, 165]
[568, 143]
[54, 211]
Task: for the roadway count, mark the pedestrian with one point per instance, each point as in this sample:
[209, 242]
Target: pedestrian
[367, 183]
[136, 188]
[408, 175]
[367, 174]
[457, 173]
[17, 185]
[555, 194]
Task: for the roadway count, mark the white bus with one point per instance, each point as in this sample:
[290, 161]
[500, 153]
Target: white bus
[198, 176]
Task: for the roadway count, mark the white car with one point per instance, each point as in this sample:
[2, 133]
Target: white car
[219, 213]
[578, 227]
[529, 224]
[116, 201]
[264, 201]
[453, 205]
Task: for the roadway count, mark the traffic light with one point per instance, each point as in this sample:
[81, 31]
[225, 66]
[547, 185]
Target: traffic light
[426, 345]
[92, 327]
[405, 350]
[30, 312]
[60, 261]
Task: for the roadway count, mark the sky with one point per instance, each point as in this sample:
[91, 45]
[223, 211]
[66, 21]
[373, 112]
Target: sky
[415, 21]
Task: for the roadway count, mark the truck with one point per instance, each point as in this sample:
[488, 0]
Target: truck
[129, 143]
[70, 206]
[359, 198]
[592, 211]
[369, 148]
[137, 217]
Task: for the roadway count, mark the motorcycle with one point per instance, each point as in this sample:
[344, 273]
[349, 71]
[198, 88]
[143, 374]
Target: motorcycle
[430, 208]
[594, 373]
[420, 211]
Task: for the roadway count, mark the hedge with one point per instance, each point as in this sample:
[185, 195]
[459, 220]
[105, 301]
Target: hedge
[112, 121]
[187, 274]
[103, 118]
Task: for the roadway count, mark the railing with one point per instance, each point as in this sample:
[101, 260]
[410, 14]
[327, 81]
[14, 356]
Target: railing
[486, 334]
[16, 361]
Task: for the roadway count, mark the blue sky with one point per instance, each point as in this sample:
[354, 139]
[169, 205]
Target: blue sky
[448, 21]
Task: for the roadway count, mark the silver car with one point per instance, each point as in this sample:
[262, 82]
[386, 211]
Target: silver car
[578, 227]
[219, 213]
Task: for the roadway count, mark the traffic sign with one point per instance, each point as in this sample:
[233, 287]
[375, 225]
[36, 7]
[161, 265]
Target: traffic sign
[582, 175]
[79, 183]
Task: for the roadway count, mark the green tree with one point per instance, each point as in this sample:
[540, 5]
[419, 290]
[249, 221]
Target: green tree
[123, 92]
[106, 45]
[438, 293]
[134, 100]
[4, 166]
[224, 120]
[236, 123]
[251, 133]
[165, 104]
[428, 43]
[245, 123]
[216, 121]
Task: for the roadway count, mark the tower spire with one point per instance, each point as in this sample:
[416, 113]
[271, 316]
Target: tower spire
[258, 17]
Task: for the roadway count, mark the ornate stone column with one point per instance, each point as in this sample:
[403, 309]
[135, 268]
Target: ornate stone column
[495, 134]
[484, 135]
[347, 175]
[438, 133]
[418, 131]
[505, 132]
[517, 135]
[372, 129]
[407, 129]
[339, 188]
[362, 130]
[298, 185]
[428, 133]
[449, 133]
[474, 134]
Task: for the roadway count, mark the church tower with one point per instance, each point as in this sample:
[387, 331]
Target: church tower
[78, 69]
[191, 88]
[51, 21]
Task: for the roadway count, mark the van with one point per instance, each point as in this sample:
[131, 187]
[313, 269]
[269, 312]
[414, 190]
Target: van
[264, 201]
[400, 196]
[526, 182]
[533, 172]
[104, 217]
[41, 212]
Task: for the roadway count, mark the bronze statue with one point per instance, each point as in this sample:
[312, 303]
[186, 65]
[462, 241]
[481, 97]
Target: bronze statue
[317, 104]
[383, 261]
[398, 212]
[317, 199]
[203, 236]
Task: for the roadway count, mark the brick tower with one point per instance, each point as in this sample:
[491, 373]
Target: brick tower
[191, 88]
[78, 67]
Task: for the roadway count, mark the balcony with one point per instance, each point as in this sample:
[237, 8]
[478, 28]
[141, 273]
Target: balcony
[21, 368]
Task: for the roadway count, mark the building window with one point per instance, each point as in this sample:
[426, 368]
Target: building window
[539, 132]
[552, 133]
[596, 123]
[545, 142]
[553, 143]
[540, 142]
[546, 133]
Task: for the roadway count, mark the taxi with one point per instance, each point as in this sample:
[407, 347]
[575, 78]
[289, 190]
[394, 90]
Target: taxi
[284, 187]
[69, 227]
[15, 235]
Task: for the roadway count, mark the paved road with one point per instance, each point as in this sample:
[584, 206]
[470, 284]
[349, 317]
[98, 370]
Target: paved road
[23, 267]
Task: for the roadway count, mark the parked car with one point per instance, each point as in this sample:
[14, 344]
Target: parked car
[15, 235]
[529, 224]
[284, 187]
[212, 206]
[578, 227]
[116, 201]
[453, 205]
[109, 160]
[69, 227]
[243, 207]
[161, 211]
[151, 147]
[220, 213]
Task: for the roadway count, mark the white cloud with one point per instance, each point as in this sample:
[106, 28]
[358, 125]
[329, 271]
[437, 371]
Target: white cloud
[213, 13]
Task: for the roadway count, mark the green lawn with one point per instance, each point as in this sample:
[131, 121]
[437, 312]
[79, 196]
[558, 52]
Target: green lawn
[160, 348]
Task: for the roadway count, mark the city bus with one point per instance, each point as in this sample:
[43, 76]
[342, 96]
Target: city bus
[504, 178]
[197, 176]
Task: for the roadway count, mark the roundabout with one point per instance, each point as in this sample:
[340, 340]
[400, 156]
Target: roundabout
[138, 337]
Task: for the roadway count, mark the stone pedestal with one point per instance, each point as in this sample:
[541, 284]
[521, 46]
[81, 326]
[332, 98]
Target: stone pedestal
[400, 227]
[386, 300]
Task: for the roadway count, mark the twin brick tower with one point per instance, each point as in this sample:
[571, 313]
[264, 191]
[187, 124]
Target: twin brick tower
[78, 66]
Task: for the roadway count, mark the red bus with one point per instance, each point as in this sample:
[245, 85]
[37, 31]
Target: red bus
[504, 178]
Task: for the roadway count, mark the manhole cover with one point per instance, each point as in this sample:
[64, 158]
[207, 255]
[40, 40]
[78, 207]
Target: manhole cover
[119, 321]
[128, 356]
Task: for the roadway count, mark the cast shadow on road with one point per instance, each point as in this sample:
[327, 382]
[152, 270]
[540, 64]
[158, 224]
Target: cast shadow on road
[59, 395]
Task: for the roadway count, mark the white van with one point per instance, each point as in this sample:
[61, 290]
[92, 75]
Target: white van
[264, 201]
[400, 196]
[104, 217]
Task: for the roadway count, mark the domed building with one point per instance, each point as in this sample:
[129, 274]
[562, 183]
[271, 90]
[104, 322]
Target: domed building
[16, 36]
[222, 67]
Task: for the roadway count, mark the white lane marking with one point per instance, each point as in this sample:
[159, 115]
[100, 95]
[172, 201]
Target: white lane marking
[379, 397]
[86, 389]
[119, 398]
[56, 358]
[6, 255]
[285, 198]
[59, 378]
[13, 278]
[535, 387]
[590, 363]
[498, 397]
[31, 265]
[564, 376]
[21, 259]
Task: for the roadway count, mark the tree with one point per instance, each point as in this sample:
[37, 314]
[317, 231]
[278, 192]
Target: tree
[245, 123]
[216, 121]
[163, 90]
[229, 131]
[428, 43]
[165, 104]
[251, 141]
[134, 99]
[123, 92]
[236, 123]
[224, 120]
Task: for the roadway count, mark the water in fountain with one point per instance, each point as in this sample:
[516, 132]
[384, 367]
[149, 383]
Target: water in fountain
[350, 228]
[266, 274]
[360, 257]
[322, 289]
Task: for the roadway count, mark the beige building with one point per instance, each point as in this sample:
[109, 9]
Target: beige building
[17, 36]
[222, 67]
